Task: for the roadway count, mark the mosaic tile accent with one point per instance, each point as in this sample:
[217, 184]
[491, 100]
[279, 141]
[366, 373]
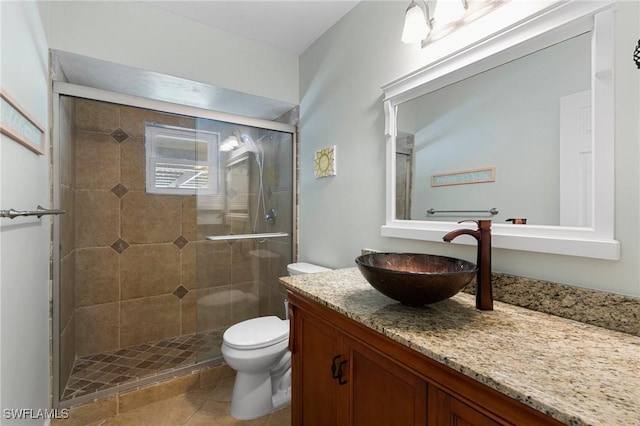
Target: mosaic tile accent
[180, 292]
[180, 242]
[120, 245]
[120, 190]
[119, 135]
[102, 371]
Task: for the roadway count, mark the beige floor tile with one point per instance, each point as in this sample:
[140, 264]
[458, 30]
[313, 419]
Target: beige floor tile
[281, 417]
[200, 407]
[223, 391]
[217, 412]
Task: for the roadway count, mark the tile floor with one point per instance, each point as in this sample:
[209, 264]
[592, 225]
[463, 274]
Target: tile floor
[209, 406]
[102, 371]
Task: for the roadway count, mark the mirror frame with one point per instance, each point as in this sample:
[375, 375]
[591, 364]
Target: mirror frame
[556, 23]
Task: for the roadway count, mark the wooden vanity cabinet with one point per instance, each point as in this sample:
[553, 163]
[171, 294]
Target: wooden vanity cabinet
[338, 380]
[344, 373]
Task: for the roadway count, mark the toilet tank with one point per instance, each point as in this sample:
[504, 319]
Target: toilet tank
[304, 268]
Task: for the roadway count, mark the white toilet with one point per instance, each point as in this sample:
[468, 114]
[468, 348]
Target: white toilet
[258, 350]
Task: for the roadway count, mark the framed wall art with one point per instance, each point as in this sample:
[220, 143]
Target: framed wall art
[19, 125]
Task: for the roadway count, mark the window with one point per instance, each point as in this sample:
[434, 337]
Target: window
[181, 161]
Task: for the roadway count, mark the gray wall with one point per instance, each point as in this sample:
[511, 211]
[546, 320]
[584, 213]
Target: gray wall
[341, 104]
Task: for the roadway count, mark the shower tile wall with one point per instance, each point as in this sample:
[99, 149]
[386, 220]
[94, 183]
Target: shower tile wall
[127, 262]
[135, 266]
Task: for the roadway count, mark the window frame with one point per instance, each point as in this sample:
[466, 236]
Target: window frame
[152, 159]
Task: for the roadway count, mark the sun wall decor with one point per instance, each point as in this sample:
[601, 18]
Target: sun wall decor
[325, 162]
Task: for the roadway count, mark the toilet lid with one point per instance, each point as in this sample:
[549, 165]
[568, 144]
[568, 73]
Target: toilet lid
[257, 333]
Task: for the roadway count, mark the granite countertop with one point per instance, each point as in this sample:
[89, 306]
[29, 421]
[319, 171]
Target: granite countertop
[576, 373]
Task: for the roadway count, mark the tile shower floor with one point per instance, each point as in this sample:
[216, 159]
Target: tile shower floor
[99, 372]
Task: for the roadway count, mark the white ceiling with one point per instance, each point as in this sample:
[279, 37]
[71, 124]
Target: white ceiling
[289, 25]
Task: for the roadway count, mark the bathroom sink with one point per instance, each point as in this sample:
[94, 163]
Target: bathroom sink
[416, 279]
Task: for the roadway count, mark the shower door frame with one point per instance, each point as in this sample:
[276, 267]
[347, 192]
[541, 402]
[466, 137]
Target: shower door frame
[61, 88]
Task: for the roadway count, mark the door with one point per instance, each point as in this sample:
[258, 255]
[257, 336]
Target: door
[576, 160]
[449, 411]
[315, 362]
[381, 392]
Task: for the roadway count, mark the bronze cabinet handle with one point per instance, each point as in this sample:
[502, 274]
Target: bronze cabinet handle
[334, 368]
[340, 381]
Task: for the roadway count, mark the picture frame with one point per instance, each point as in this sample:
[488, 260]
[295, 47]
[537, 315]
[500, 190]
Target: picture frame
[325, 162]
[464, 177]
[19, 125]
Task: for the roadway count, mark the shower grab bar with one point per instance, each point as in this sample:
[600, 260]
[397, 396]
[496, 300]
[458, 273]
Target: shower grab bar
[40, 211]
[247, 236]
[492, 211]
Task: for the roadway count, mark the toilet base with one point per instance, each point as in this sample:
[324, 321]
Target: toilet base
[252, 396]
[281, 399]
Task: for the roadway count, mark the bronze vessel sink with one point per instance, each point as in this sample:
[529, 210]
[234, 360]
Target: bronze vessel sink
[416, 279]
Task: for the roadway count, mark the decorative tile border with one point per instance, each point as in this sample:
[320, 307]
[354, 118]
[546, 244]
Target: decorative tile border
[96, 373]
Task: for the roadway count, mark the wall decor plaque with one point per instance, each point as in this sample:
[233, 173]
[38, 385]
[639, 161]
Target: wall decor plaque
[463, 177]
[19, 125]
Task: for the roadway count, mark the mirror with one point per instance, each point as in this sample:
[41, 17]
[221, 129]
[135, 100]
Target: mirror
[519, 126]
[516, 138]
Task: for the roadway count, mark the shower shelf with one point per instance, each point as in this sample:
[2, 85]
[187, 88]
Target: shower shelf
[247, 236]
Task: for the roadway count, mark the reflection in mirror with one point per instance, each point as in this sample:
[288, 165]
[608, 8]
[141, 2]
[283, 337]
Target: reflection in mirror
[528, 121]
[551, 164]
[404, 166]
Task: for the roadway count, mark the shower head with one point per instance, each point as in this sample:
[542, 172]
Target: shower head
[267, 136]
[253, 146]
[249, 143]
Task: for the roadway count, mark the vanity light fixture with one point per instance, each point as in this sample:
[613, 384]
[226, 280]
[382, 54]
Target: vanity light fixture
[448, 11]
[417, 23]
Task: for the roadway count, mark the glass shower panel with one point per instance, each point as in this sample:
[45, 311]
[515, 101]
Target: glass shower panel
[244, 230]
[176, 228]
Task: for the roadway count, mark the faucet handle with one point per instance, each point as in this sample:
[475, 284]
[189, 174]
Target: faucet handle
[482, 223]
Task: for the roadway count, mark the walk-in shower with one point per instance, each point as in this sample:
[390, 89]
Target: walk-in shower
[178, 225]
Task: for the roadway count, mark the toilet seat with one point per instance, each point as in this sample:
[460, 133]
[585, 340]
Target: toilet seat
[256, 333]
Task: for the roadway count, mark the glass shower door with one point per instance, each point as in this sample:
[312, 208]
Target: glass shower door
[244, 230]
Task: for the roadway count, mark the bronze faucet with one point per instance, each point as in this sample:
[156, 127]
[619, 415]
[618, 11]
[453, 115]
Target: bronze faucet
[484, 290]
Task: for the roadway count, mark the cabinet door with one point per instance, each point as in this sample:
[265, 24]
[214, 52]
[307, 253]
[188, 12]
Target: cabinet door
[315, 392]
[381, 392]
[450, 411]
